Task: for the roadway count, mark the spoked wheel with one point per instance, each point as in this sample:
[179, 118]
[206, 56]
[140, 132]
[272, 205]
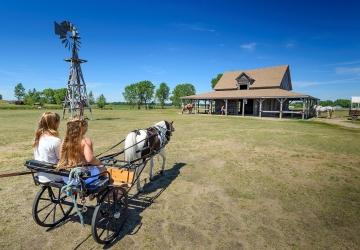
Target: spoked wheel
[51, 206]
[109, 215]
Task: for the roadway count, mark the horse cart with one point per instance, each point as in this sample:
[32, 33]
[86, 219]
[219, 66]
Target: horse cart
[56, 199]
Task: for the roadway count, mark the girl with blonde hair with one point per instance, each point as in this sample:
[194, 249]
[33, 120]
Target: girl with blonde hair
[77, 150]
[47, 142]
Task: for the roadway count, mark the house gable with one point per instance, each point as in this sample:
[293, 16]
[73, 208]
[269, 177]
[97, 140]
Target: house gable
[244, 81]
[286, 81]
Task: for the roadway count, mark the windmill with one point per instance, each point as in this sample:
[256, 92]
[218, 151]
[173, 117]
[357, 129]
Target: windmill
[76, 99]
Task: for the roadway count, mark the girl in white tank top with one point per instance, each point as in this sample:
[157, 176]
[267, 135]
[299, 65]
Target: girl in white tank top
[47, 143]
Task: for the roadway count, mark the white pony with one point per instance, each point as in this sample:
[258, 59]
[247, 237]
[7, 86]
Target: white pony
[146, 142]
[328, 109]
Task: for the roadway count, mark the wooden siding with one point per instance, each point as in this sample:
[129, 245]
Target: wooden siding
[286, 81]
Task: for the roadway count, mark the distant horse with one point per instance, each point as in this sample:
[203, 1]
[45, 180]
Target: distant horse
[328, 109]
[188, 107]
[146, 142]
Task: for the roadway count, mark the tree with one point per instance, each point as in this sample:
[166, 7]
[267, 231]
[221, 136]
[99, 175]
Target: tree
[101, 101]
[345, 103]
[162, 94]
[32, 97]
[181, 90]
[130, 94]
[59, 95]
[91, 98]
[145, 91]
[49, 95]
[326, 103]
[215, 80]
[140, 93]
[19, 91]
[1, 97]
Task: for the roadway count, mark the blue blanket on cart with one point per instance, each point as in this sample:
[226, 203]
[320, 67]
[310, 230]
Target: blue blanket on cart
[94, 171]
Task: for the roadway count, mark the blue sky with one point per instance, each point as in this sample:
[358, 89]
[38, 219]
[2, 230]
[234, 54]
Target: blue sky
[182, 41]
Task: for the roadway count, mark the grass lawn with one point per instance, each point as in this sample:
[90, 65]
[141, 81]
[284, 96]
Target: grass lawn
[230, 182]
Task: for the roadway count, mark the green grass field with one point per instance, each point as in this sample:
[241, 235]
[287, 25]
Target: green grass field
[230, 183]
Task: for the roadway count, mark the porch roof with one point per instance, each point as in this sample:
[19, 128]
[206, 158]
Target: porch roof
[248, 94]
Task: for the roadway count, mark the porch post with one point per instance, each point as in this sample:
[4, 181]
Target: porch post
[243, 107]
[308, 107]
[226, 106]
[281, 100]
[303, 110]
[260, 106]
[198, 105]
[210, 108]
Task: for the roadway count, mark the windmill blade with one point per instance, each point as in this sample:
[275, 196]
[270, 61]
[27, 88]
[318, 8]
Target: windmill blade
[60, 30]
[66, 30]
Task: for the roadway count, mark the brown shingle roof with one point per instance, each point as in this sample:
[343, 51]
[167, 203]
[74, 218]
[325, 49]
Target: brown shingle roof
[264, 77]
[251, 93]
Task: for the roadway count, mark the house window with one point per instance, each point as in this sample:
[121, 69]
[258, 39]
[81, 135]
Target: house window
[243, 86]
[243, 82]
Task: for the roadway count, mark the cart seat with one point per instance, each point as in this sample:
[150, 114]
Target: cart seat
[94, 186]
[41, 166]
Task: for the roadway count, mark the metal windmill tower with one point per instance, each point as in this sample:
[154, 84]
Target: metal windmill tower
[76, 99]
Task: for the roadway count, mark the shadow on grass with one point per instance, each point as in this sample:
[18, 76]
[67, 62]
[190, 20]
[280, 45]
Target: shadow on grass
[137, 204]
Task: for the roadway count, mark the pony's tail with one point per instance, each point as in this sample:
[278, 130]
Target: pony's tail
[130, 147]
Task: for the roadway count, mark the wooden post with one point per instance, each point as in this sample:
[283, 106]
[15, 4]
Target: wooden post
[308, 108]
[210, 107]
[226, 107]
[260, 106]
[281, 100]
[243, 107]
[206, 110]
[303, 110]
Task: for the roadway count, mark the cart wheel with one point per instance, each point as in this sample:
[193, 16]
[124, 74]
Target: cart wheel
[51, 207]
[109, 215]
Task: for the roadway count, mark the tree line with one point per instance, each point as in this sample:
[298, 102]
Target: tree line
[138, 94]
[345, 103]
[49, 96]
[144, 93]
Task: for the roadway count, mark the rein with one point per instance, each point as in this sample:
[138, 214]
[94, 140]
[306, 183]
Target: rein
[158, 128]
[122, 151]
[14, 174]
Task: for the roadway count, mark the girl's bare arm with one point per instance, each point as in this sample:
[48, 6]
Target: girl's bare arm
[89, 153]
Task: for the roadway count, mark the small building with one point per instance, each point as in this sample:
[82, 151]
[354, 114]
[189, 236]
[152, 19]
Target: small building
[355, 102]
[258, 92]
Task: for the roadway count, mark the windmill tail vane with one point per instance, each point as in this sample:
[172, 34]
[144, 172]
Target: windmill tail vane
[76, 99]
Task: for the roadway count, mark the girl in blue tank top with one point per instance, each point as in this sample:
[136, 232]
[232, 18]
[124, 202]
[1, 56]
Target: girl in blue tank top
[77, 150]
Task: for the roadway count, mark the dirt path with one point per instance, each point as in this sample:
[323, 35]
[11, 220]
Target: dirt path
[338, 121]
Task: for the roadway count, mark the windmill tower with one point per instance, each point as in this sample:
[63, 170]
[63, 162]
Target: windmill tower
[76, 99]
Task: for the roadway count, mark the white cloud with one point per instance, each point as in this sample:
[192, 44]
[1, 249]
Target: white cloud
[154, 70]
[302, 84]
[195, 27]
[290, 45]
[348, 70]
[249, 46]
[344, 63]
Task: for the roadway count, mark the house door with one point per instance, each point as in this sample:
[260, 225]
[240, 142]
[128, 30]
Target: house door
[249, 107]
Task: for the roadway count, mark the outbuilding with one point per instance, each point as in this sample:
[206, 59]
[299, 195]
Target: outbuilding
[258, 92]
